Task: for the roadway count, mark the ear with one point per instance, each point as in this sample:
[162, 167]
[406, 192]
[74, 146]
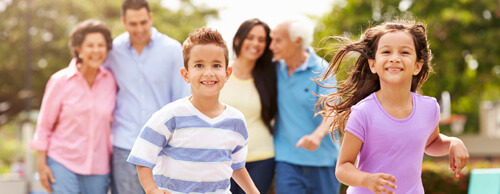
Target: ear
[371, 63]
[418, 67]
[185, 75]
[150, 17]
[229, 71]
[237, 42]
[299, 41]
[123, 20]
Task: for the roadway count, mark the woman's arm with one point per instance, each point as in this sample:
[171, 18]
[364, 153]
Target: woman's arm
[46, 176]
[243, 179]
[347, 173]
[440, 145]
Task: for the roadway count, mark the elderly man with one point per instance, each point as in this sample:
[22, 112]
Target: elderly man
[305, 155]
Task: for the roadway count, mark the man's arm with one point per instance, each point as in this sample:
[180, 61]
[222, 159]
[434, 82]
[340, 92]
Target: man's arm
[312, 141]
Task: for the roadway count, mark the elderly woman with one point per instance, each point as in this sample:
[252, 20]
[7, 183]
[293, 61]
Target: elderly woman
[252, 90]
[73, 129]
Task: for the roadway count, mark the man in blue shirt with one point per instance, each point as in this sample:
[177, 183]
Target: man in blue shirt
[305, 155]
[146, 64]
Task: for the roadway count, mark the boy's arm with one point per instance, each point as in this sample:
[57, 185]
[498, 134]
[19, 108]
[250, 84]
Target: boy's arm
[243, 179]
[148, 183]
[440, 145]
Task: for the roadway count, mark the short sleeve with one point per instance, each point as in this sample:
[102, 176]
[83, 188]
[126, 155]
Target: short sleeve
[239, 153]
[152, 139]
[356, 124]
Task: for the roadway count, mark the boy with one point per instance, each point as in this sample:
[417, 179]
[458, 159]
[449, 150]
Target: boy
[195, 144]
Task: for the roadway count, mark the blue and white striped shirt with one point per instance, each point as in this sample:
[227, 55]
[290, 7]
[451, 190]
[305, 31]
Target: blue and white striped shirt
[190, 152]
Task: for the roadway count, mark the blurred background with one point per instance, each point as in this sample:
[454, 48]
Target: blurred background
[463, 37]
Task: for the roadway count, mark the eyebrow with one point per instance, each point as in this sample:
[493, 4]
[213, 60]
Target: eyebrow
[383, 46]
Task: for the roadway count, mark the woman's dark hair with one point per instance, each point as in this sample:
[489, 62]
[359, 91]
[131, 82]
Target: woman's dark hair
[80, 31]
[264, 71]
[361, 81]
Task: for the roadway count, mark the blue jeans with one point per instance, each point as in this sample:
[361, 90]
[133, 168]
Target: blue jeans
[68, 182]
[124, 177]
[298, 179]
[261, 172]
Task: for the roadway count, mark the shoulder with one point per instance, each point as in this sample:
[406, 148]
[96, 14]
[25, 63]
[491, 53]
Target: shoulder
[176, 108]
[425, 100]
[234, 113]
[165, 40]
[366, 104]
[121, 40]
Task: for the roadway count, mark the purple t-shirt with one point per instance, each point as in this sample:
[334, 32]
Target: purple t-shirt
[390, 145]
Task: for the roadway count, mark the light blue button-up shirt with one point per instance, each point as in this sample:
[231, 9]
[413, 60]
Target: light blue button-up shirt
[296, 113]
[146, 82]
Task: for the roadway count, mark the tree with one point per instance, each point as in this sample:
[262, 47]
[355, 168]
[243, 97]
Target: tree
[462, 36]
[51, 23]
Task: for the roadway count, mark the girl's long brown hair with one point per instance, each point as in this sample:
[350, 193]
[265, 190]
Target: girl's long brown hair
[361, 81]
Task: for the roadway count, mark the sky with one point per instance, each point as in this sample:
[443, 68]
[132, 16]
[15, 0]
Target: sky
[233, 12]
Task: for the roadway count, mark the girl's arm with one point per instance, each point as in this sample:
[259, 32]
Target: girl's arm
[148, 183]
[347, 173]
[440, 145]
[243, 179]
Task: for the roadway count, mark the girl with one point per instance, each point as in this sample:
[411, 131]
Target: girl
[385, 123]
[252, 90]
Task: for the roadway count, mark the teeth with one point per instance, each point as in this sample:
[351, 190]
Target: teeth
[208, 82]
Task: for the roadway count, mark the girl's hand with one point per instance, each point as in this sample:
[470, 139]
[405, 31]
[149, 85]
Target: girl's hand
[377, 182]
[46, 176]
[459, 156]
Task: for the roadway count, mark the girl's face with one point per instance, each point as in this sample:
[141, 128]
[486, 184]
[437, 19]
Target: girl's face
[254, 44]
[395, 61]
[93, 50]
[207, 72]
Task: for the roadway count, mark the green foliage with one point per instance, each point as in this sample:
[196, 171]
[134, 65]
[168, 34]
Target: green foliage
[11, 149]
[51, 22]
[462, 36]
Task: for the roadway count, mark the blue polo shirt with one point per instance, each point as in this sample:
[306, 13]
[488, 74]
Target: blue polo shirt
[146, 82]
[295, 118]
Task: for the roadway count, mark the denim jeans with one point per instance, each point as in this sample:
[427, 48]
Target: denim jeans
[68, 182]
[298, 179]
[124, 177]
[261, 172]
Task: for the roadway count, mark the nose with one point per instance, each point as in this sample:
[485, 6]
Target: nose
[394, 59]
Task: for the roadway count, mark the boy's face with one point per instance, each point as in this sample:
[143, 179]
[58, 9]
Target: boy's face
[207, 70]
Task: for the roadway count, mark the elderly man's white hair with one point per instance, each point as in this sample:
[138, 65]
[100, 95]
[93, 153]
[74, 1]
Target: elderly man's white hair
[301, 28]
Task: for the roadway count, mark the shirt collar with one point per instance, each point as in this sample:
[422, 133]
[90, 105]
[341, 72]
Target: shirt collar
[304, 65]
[73, 70]
[154, 33]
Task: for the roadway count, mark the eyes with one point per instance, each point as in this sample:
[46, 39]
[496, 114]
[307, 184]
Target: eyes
[403, 52]
[215, 65]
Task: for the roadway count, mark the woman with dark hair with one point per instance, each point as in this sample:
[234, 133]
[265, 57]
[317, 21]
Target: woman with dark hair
[73, 128]
[252, 90]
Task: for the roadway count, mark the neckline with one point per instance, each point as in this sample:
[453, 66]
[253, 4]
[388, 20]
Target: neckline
[414, 106]
[204, 117]
[249, 80]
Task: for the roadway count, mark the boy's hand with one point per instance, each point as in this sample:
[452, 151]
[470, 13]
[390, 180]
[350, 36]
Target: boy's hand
[378, 181]
[158, 191]
[459, 156]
